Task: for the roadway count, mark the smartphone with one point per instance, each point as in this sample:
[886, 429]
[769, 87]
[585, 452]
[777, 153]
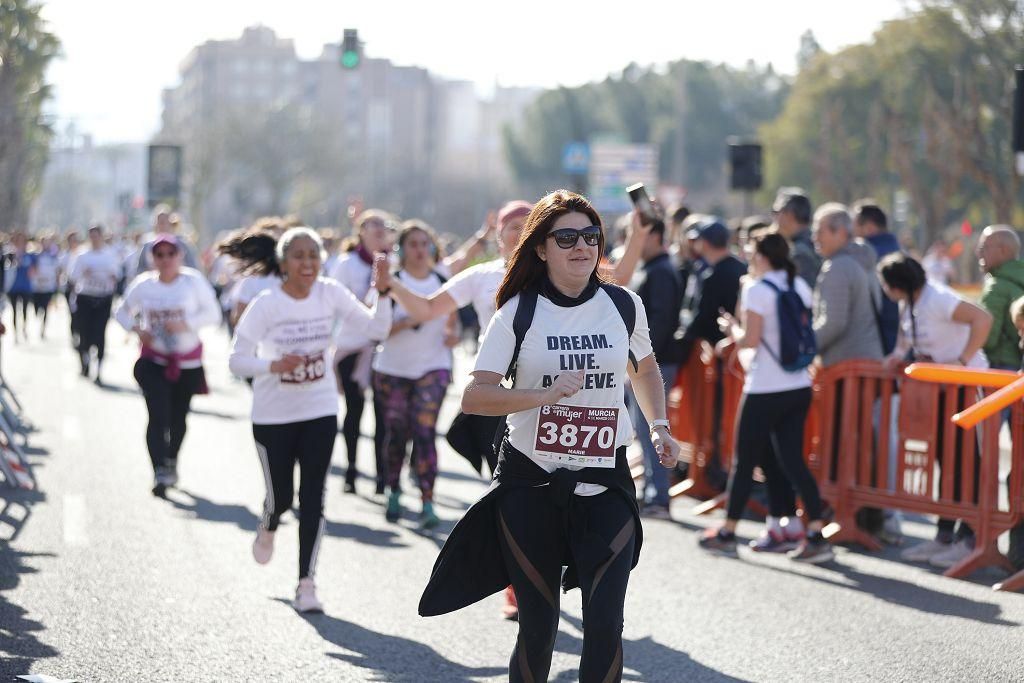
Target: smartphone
[642, 202]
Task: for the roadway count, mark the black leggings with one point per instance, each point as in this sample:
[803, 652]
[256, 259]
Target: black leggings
[355, 401]
[91, 319]
[168, 405]
[310, 443]
[770, 433]
[21, 299]
[534, 548]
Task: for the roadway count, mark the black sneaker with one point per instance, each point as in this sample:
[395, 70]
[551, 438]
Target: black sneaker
[718, 541]
[813, 550]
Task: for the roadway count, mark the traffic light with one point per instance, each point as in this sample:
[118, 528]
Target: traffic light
[745, 163]
[351, 55]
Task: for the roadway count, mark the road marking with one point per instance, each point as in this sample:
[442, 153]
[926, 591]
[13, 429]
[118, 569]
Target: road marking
[75, 527]
[72, 428]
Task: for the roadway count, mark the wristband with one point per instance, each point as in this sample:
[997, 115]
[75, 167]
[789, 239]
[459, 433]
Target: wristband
[654, 424]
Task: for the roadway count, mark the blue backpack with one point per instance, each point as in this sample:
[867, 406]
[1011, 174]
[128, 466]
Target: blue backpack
[797, 344]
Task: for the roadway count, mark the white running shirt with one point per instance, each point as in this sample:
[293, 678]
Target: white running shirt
[95, 272]
[590, 336]
[275, 324]
[412, 353]
[152, 304]
[478, 286]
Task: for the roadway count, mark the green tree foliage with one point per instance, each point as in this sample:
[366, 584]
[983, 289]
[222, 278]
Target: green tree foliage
[26, 49]
[925, 106]
[642, 105]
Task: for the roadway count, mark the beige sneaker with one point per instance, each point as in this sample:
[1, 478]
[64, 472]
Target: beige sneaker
[263, 546]
[305, 597]
[953, 554]
[923, 552]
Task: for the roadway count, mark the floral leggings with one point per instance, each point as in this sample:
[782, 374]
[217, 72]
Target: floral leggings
[411, 407]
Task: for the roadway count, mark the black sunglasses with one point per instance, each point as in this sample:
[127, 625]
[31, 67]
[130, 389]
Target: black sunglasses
[566, 238]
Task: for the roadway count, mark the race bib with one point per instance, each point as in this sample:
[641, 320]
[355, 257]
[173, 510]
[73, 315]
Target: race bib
[576, 435]
[313, 369]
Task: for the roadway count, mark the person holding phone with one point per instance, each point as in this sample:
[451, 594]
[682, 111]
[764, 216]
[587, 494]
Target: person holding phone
[284, 341]
[563, 490]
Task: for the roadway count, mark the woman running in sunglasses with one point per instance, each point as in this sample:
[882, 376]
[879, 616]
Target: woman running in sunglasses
[563, 491]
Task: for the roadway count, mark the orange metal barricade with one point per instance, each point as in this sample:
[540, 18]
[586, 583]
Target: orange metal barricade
[691, 406]
[851, 458]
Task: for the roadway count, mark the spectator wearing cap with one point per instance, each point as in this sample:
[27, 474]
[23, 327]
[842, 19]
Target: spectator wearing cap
[844, 298]
[998, 254]
[719, 285]
[870, 224]
[658, 286]
[792, 211]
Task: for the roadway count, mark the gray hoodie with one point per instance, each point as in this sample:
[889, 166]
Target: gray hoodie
[845, 297]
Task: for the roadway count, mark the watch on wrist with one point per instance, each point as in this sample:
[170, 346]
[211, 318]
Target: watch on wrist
[654, 424]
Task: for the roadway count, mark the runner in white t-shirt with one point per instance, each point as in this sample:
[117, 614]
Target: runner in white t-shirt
[284, 341]
[773, 409]
[563, 491]
[353, 268]
[937, 326]
[94, 271]
[166, 308]
[412, 370]
[44, 280]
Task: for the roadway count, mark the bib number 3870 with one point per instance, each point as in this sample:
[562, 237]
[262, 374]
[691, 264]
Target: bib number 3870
[313, 369]
[577, 435]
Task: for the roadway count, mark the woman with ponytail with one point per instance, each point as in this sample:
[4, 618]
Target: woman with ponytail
[774, 404]
[284, 341]
[938, 326]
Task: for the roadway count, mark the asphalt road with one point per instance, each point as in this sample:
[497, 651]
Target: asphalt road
[100, 581]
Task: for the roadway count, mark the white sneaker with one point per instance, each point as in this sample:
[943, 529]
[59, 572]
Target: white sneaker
[263, 546]
[923, 552]
[305, 597]
[953, 554]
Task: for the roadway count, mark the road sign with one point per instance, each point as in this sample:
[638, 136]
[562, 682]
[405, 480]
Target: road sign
[613, 167]
[576, 158]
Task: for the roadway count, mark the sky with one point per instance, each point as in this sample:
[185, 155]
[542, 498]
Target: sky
[120, 54]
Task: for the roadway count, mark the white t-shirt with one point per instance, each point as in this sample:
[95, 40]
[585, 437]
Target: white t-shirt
[152, 304]
[764, 375]
[589, 336]
[275, 324]
[249, 287]
[412, 353]
[45, 278]
[95, 272]
[937, 334]
[478, 286]
[355, 274]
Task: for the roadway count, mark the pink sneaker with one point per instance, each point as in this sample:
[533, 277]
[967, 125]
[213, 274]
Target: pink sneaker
[263, 546]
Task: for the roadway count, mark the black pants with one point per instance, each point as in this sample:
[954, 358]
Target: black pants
[770, 433]
[355, 401]
[535, 545]
[19, 299]
[91, 320]
[948, 529]
[309, 443]
[168, 405]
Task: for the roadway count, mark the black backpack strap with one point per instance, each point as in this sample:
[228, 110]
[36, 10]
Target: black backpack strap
[440, 277]
[520, 324]
[627, 311]
[776, 357]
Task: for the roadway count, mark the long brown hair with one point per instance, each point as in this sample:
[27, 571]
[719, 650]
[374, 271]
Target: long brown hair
[525, 269]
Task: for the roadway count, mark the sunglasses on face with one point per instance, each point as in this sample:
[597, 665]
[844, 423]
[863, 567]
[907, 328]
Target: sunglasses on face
[566, 238]
[165, 254]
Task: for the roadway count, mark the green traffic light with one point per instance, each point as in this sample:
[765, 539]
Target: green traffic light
[350, 59]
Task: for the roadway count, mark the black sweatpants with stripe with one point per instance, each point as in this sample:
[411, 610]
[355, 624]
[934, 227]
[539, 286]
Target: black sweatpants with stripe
[535, 545]
[310, 444]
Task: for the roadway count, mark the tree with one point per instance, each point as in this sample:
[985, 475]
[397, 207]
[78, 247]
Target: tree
[26, 49]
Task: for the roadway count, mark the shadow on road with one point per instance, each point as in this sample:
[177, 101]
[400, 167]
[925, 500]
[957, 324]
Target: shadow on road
[204, 508]
[651, 660]
[117, 389]
[204, 412]
[906, 594]
[391, 658]
[379, 537]
[19, 643]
